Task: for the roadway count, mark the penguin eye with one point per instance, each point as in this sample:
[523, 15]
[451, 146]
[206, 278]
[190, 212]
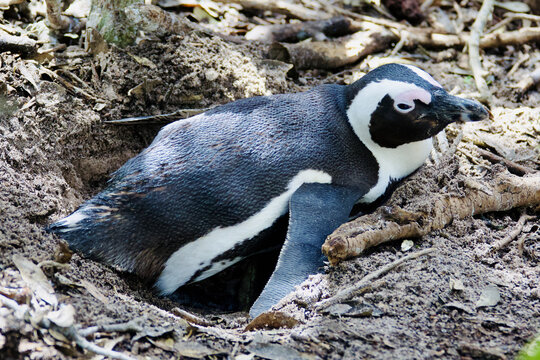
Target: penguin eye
[403, 107]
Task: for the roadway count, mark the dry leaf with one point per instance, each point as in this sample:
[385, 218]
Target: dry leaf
[58, 336]
[193, 349]
[63, 317]
[490, 296]
[514, 6]
[35, 279]
[143, 61]
[93, 290]
[278, 352]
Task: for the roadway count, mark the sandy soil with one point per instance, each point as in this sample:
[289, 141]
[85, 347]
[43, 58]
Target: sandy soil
[55, 152]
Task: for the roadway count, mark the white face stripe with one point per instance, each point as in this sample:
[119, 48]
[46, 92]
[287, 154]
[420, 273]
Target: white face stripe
[394, 163]
[424, 75]
[198, 254]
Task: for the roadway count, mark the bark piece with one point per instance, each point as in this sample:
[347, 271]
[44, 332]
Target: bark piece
[336, 54]
[405, 10]
[294, 32]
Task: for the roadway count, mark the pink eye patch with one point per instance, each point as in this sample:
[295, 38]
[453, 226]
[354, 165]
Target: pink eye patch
[408, 97]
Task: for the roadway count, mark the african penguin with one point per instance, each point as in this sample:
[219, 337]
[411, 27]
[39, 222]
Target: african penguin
[202, 195]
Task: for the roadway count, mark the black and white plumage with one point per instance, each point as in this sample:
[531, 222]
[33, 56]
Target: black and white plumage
[201, 197]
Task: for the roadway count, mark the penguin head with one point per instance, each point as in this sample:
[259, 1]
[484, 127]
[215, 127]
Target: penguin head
[397, 104]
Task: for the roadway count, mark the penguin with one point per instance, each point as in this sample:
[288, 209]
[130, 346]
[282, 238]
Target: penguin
[204, 193]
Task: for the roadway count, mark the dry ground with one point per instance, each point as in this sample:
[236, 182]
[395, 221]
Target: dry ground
[55, 152]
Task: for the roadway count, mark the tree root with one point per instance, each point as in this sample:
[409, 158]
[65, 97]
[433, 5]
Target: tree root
[336, 54]
[501, 192]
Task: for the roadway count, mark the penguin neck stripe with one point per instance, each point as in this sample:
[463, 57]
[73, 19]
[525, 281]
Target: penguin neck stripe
[394, 163]
[183, 264]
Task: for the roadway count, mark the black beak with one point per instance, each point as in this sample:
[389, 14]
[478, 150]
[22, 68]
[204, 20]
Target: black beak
[451, 108]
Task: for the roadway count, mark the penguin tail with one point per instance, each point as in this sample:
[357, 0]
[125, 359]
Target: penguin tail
[70, 223]
[99, 232]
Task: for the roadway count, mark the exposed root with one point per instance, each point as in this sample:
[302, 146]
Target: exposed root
[73, 335]
[338, 53]
[500, 193]
[351, 290]
[375, 38]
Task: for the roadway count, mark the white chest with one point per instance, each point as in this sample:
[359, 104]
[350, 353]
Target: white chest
[395, 164]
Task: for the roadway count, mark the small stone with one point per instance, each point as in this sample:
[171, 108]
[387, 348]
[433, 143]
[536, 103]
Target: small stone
[211, 75]
[406, 245]
[457, 285]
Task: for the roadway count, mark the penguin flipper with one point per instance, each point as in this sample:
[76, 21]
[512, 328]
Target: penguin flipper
[315, 210]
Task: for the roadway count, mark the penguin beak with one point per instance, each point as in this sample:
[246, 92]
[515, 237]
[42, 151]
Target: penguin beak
[451, 108]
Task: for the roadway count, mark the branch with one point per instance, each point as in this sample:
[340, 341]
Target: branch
[502, 192]
[529, 81]
[514, 168]
[474, 49]
[514, 233]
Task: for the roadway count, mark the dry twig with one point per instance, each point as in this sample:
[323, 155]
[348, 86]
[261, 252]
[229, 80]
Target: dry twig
[349, 291]
[69, 86]
[474, 49]
[191, 318]
[69, 332]
[133, 325]
[511, 17]
[529, 81]
[514, 168]
[514, 233]
[500, 193]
